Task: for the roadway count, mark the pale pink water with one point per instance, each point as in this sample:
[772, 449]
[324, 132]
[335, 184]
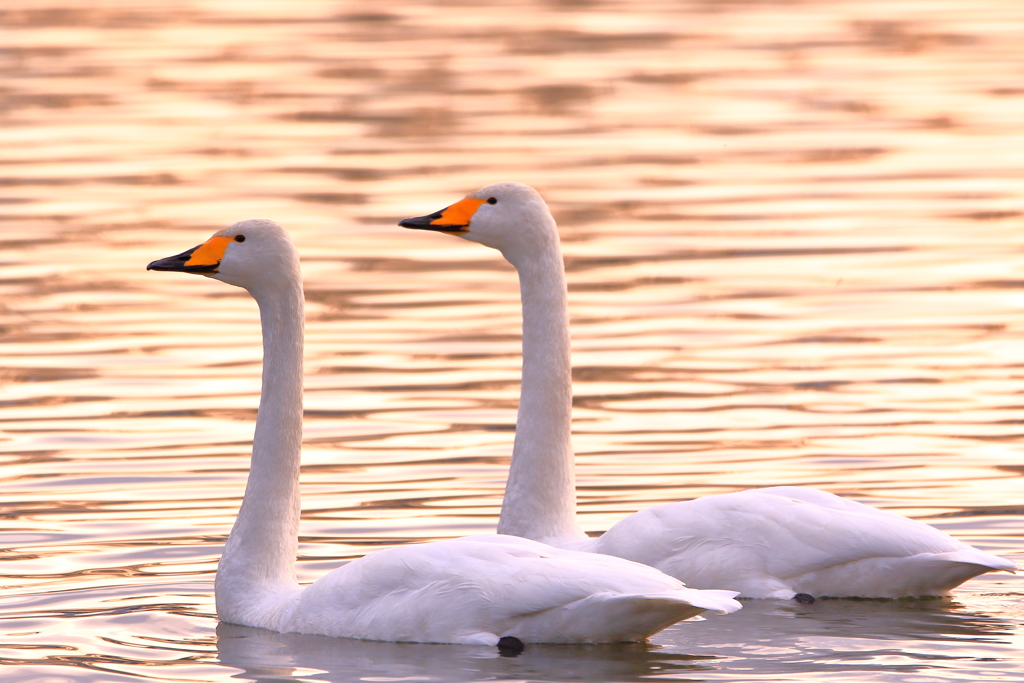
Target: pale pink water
[793, 243]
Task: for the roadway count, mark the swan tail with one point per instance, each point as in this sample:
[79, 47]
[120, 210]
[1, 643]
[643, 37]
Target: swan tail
[616, 618]
[901, 577]
[942, 572]
[711, 600]
[985, 562]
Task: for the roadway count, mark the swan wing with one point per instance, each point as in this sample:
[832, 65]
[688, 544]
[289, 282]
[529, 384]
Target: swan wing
[478, 589]
[776, 542]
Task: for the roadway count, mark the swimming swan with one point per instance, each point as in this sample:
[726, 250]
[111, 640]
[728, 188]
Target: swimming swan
[779, 542]
[474, 590]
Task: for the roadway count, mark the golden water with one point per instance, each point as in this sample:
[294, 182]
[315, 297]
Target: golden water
[793, 241]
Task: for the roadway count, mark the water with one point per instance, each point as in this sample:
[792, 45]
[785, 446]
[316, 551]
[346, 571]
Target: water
[792, 237]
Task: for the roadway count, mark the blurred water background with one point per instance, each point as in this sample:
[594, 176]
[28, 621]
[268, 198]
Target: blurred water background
[793, 242]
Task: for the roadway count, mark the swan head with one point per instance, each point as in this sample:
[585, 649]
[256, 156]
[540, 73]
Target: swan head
[250, 254]
[509, 217]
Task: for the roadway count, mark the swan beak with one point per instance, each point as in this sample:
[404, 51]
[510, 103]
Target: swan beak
[453, 220]
[202, 260]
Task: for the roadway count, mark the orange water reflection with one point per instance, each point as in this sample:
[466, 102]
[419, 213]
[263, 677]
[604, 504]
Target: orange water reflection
[792, 242]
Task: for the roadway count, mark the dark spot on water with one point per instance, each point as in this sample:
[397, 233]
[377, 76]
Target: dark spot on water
[559, 98]
[987, 215]
[510, 646]
[804, 598]
[332, 197]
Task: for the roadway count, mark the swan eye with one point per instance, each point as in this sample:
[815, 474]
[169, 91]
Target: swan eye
[239, 238]
[492, 200]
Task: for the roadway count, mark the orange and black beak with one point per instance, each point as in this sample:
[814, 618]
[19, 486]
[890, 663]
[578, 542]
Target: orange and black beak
[454, 220]
[202, 260]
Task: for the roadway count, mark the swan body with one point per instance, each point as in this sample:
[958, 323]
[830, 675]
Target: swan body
[782, 541]
[764, 543]
[473, 590]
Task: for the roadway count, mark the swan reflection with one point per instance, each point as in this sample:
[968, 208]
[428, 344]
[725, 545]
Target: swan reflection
[268, 655]
[765, 638]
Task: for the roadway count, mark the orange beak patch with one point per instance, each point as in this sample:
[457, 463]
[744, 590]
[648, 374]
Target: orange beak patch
[459, 214]
[209, 254]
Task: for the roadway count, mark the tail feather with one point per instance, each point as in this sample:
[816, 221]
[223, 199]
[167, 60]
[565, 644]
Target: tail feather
[985, 561]
[713, 600]
[612, 618]
[946, 571]
[899, 577]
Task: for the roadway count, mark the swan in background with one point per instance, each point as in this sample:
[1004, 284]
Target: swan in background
[476, 590]
[779, 542]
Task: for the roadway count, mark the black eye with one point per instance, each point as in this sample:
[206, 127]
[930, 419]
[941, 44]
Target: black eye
[492, 200]
[239, 238]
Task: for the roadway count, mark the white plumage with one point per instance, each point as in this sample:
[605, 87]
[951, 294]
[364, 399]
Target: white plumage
[472, 590]
[765, 543]
[780, 541]
[476, 589]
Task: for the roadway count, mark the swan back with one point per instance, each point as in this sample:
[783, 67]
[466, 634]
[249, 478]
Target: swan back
[471, 590]
[776, 542]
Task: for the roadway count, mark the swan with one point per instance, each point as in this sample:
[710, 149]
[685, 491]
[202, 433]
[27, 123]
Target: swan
[482, 590]
[781, 542]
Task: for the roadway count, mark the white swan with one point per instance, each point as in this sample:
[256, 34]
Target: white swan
[779, 542]
[474, 590]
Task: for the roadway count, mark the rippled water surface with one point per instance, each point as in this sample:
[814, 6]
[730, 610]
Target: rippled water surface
[793, 242]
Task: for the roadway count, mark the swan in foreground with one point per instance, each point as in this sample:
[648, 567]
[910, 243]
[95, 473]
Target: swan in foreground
[780, 542]
[476, 590]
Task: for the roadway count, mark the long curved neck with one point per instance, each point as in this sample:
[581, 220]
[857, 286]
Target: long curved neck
[540, 496]
[257, 566]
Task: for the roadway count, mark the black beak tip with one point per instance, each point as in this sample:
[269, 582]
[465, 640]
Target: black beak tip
[177, 264]
[170, 263]
[427, 223]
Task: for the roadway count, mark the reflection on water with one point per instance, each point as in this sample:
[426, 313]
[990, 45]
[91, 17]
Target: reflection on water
[792, 238]
[265, 655]
[836, 639]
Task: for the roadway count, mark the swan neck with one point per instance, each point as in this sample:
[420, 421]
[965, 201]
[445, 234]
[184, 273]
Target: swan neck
[259, 557]
[540, 496]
